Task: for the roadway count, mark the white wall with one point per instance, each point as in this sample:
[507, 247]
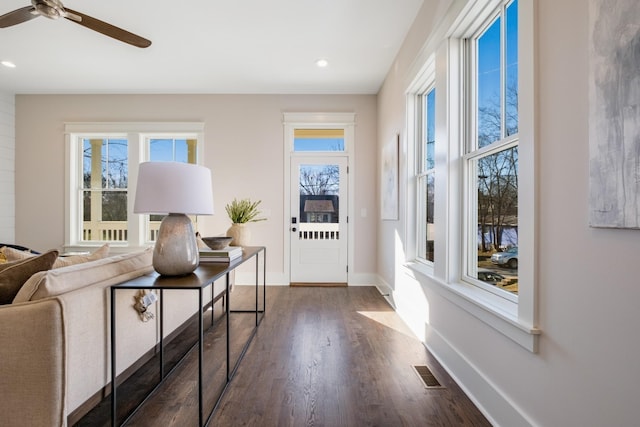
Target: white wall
[586, 371]
[7, 167]
[244, 148]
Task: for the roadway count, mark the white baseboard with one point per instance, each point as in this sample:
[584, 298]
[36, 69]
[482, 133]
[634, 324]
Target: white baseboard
[273, 279]
[494, 405]
[497, 407]
[281, 279]
[363, 279]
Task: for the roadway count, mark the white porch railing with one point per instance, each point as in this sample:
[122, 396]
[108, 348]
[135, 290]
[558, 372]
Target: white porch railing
[113, 231]
[319, 231]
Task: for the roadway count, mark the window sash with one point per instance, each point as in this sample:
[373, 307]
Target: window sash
[425, 177]
[475, 150]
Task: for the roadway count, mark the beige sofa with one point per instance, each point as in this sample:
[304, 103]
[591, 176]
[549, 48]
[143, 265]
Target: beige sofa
[54, 337]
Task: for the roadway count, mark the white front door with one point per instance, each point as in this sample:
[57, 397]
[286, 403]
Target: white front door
[318, 219]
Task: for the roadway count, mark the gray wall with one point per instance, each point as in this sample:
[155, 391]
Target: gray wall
[7, 167]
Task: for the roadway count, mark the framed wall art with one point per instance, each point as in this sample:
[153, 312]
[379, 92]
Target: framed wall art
[614, 114]
[390, 186]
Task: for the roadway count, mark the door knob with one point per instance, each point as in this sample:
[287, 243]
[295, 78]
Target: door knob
[293, 229]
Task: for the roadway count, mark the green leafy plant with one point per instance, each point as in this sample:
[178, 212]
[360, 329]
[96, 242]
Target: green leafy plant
[242, 211]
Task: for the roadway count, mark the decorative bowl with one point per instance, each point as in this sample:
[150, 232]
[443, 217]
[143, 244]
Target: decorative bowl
[217, 242]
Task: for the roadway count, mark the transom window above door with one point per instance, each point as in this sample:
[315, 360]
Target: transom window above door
[319, 140]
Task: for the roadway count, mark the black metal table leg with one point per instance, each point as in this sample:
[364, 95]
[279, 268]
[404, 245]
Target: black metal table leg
[200, 356]
[113, 358]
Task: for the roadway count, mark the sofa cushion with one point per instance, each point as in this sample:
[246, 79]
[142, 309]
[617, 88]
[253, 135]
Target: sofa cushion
[13, 254]
[65, 261]
[105, 272]
[14, 274]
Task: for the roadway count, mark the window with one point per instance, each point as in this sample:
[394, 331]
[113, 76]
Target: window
[318, 140]
[105, 173]
[491, 153]
[483, 162]
[102, 164]
[426, 176]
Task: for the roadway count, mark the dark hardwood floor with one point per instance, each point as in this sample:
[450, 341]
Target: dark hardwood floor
[321, 357]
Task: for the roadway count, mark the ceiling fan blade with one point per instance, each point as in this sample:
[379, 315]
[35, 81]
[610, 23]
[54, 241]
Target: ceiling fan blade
[18, 16]
[109, 30]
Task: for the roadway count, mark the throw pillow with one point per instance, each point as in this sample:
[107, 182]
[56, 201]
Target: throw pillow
[65, 261]
[103, 272]
[13, 254]
[14, 274]
[3, 257]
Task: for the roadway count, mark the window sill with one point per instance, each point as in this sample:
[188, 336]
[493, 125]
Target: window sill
[497, 312]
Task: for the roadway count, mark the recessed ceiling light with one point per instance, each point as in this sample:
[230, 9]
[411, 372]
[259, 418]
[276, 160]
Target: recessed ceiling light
[8, 64]
[322, 63]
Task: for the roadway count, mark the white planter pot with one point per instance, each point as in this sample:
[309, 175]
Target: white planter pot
[240, 233]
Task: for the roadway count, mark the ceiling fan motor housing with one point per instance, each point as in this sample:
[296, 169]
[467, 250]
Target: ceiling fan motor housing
[50, 8]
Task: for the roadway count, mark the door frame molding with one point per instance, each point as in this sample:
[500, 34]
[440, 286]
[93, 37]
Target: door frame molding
[292, 121]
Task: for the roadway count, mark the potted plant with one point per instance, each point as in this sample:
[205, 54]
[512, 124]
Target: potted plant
[242, 212]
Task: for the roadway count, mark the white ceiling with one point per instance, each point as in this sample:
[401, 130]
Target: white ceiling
[209, 46]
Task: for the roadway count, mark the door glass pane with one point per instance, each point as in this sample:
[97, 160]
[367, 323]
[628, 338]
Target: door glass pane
[318, 140]
[319, 209]
[497, 203]
[105, 183]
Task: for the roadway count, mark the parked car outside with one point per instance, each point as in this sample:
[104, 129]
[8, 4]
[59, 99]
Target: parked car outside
[508, 257]
[490, 276]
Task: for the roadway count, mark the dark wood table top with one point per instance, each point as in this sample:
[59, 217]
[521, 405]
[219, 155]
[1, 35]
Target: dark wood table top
[204, 274]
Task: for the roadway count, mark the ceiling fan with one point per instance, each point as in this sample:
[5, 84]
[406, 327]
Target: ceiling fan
[54, 9]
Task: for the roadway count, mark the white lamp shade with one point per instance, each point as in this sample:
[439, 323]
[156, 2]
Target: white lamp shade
[173, 187]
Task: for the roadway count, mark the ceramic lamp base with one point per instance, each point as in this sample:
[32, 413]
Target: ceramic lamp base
[176, 249]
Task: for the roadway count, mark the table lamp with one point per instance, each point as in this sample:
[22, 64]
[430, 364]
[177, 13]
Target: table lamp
[177, 189]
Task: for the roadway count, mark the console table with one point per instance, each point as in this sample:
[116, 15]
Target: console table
[199, 280]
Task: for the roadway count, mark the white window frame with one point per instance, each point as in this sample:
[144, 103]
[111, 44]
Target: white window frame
[137, 135]
[416, 98]
[472, 153]
[517, 320]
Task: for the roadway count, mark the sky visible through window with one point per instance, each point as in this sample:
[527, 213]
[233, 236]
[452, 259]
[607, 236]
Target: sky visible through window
[168, 150]
[489, 78]
[318, 144]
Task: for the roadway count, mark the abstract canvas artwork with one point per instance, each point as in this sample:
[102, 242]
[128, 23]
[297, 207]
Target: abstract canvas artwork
[390, 178]
[614, 113]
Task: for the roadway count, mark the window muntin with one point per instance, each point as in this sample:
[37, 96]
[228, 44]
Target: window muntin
[492, 155]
